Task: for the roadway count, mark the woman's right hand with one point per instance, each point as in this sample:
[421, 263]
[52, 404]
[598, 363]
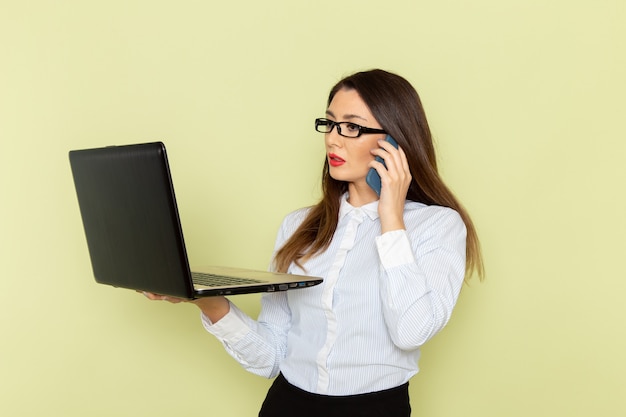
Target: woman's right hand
[213, 307]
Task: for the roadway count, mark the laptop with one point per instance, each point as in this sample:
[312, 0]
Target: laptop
[133, 231]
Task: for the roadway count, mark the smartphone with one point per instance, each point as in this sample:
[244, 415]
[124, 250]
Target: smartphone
[372, 178]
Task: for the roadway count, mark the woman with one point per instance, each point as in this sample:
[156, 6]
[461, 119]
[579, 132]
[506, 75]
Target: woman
[393, 265]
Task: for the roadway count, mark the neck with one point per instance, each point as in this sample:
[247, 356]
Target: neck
[360, 194]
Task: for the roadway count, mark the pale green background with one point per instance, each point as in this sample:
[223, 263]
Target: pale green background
[526, 100]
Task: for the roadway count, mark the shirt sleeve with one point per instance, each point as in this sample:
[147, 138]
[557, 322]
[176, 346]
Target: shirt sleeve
[231, 328]
[394, 249]
[259, 345]
[423, 269]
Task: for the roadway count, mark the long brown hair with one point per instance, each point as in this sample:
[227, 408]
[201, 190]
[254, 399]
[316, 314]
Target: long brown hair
[397, 107]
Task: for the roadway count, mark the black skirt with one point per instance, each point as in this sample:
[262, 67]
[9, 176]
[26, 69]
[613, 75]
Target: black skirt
[286, 400]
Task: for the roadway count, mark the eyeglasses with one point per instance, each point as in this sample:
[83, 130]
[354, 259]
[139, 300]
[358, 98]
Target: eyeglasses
[346, 129]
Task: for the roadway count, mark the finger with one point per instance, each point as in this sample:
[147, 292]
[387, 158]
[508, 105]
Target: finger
[393, 163]
[158, 297]
[388, 159]
[150, 295]
[390, 154]
[387, 146]
[405, 161]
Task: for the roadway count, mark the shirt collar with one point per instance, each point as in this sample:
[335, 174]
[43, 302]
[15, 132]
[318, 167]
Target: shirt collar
[370, 209]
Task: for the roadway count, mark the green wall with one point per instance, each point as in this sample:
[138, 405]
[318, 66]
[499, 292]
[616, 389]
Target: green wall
[525, 99]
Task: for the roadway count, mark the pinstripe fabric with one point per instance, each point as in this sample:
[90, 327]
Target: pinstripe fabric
[382, 298]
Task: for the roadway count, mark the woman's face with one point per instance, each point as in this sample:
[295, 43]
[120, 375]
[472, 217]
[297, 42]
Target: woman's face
[348, 158]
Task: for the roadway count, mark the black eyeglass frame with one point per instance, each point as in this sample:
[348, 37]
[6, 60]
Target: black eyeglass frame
[361, 129]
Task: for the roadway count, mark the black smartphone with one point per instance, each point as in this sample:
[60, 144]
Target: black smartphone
[372, 178]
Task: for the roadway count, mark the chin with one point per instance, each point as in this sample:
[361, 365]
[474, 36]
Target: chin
[339, 177]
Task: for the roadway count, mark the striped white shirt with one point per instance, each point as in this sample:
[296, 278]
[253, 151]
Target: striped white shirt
[383, 296]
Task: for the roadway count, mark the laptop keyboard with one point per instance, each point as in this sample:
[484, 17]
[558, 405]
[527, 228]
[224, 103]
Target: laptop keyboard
[210, 280]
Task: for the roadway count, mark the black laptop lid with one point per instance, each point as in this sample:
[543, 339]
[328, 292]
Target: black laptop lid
[129, 214]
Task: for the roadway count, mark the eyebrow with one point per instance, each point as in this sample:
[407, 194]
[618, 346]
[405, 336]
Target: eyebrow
[346, 116]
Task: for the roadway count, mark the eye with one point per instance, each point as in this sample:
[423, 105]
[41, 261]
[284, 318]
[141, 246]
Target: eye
[322, 123]
[354, 128]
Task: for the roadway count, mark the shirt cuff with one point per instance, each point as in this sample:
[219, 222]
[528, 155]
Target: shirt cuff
[230, 329]
[394, 249]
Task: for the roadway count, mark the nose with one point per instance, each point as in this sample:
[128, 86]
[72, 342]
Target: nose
[333, 138]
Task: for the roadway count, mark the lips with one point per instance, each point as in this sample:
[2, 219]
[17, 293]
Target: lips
[335, 160]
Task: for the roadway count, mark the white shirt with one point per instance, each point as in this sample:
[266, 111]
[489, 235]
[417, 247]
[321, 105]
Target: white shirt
[383, 296]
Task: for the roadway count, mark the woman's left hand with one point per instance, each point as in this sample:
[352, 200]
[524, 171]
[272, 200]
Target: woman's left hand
[159, 297]
[395, 181]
